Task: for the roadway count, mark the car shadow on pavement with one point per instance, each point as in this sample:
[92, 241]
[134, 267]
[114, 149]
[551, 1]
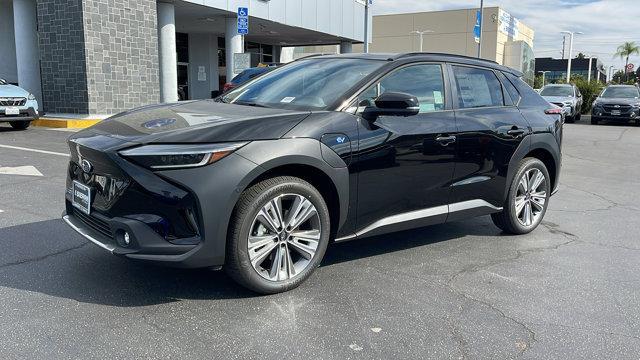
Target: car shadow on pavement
[46, 257]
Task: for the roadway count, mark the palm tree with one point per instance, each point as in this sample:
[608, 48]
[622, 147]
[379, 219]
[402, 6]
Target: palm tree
[624, 51]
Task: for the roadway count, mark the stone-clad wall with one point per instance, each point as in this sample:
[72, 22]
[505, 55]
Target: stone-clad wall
[121, 42]
[62, 56]
[98, 56]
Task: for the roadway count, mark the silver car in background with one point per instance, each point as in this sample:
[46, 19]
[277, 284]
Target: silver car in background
[566, 96]
[17, 106]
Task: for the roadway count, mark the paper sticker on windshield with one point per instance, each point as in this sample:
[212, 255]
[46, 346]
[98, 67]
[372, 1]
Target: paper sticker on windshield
[288, 99]
[437, 97]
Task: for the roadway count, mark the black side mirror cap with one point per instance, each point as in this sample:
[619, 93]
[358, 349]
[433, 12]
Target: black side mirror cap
[392, 104]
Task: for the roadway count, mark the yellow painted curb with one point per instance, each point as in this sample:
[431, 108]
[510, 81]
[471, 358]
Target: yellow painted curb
[65, 123]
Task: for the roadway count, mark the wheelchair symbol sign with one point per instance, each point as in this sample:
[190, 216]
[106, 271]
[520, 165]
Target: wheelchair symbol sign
[243, 20]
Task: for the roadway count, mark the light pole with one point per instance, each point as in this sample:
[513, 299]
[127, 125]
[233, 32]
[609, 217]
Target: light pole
[421, 33]
[480, 36]
[543, 76]
[589, 73]
[570, 33]
[610, 74]
[366, 25]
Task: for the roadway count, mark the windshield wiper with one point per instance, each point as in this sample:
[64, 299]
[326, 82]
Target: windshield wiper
[249, 103]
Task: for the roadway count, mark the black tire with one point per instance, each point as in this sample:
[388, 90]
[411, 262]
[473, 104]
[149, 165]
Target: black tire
[578, 117]
[237, 263]
[594, 120]
[20, 125]
[507, 219]
[569, 119]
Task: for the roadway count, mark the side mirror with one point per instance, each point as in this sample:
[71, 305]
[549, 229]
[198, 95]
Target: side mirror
[392, 104]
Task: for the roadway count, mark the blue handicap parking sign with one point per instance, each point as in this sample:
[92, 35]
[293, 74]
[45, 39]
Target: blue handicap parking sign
[243, 20]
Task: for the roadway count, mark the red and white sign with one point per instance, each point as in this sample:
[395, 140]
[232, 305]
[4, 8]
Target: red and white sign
[630, 67]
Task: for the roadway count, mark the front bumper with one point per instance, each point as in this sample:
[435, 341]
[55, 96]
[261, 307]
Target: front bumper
[631, 114]
[174, 217]
[28, 112]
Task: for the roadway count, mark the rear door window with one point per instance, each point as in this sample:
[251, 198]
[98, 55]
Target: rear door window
[477, 87]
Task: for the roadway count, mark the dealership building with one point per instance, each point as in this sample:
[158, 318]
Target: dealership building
[99, 57]
[555, 70]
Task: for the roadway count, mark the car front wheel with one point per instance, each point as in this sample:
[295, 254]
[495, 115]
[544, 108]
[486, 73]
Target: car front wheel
[527, 200]
[279, 233]
[594, 120]
[20, 125]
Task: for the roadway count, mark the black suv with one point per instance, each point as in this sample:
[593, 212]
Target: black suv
[619, 103]
[327, 148]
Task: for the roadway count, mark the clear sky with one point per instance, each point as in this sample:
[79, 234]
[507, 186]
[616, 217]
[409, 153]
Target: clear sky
[605, 23]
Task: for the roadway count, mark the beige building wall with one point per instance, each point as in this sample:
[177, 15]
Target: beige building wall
[452, 34]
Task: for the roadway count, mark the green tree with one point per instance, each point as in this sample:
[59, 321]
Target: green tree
[537, 82]
[625, 50]
[581, 56]
[589, 91]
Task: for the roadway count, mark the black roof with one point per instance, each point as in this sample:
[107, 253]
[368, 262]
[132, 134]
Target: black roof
[422, 56]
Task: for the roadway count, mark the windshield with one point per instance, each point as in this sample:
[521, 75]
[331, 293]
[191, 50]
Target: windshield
[620, 92]
[312, 84]
[557, 91]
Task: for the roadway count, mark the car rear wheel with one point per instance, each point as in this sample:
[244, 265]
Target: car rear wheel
[578, 117]
[527, 200]
[594, 120]
[278, 235]
[20, 125]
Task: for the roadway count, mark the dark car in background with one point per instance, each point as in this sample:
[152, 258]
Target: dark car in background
[328, 148]
[619, 103]
[247, 75]
[566, 96]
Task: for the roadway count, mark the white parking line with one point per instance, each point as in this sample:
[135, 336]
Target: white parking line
[34, 150]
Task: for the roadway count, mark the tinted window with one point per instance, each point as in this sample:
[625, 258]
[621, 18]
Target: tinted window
[477, 87]
[248, 75]
[510, 88]
[557, 91]
[620, 92]
[422, 81]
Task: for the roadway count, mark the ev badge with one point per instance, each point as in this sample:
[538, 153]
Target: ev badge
[340, 139]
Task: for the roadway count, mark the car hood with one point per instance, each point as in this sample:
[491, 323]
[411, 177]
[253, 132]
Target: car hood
[204, 121]
[12, 91]
[620, 101]
[558, 99]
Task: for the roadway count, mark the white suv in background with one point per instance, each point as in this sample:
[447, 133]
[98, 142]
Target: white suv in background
[17, 106]
[567, 96]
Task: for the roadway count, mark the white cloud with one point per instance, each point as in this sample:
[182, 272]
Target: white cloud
[605, 23]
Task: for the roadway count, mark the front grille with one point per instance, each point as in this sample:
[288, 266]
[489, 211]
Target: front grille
[93, 222]
[13, 101]
[558, 104]
[609, 107]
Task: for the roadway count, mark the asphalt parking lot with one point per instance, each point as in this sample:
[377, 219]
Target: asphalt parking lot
[569, 290]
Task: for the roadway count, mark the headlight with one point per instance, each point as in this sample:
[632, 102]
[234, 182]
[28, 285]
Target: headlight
[159, 157]
[636, 106]
[32, 97]
[567, 103]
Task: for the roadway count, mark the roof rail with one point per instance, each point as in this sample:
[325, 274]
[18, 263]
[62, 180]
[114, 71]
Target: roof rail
[313, 55]
[400, 56]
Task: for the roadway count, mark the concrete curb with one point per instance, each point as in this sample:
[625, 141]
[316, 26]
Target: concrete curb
[69, 121]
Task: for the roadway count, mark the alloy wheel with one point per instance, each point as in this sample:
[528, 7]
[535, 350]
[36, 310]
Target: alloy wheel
[530, 197]
[284, 237]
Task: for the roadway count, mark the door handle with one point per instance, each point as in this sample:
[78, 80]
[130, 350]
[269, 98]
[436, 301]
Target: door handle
[516, 131]
[446, 140]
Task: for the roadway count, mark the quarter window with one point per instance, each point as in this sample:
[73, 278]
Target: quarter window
[423, 81]
[477, 87]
